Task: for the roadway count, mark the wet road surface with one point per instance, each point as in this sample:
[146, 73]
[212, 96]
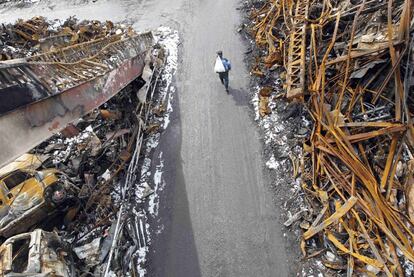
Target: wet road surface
[217, 214]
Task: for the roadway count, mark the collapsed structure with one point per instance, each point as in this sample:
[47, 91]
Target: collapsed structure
[80, 97]
[351, 64]
[66, 82]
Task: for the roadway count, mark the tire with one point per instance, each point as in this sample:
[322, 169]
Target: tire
[49, 193]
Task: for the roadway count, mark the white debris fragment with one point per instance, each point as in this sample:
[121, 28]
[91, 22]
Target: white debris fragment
[143, 190]
[373, 269]
[89, 252]
[142, 253]
[400, 169]
[408, 268]
[272, 163]
[293, 218]
[330, 256]
[320, 265]
[106, 175]
[89, 129]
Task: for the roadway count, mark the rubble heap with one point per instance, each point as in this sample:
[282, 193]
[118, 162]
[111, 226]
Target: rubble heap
[96, 201]
[100, 153]
[38, 35]
[351, 64]
[95, 154]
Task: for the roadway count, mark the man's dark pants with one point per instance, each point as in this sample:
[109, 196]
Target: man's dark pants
[224, 78]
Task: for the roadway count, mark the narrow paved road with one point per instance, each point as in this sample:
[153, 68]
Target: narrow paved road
[218, 215]
[222, 215]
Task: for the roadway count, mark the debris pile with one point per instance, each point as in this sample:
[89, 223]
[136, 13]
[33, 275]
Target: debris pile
[100, 154]
[94, 154]
[38, 35]
[98, 168]
[46, 251]
[351, 64]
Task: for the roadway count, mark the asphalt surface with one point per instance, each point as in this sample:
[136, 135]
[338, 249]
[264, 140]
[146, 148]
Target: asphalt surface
[217, 214]
[221, 220]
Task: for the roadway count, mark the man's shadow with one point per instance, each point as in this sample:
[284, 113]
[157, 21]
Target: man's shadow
[240, 96]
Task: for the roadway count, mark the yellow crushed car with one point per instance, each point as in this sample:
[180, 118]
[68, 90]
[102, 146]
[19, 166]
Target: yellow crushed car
[28, 195]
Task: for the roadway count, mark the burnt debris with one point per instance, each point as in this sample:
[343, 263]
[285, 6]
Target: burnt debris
[349, 63]
[81, 186]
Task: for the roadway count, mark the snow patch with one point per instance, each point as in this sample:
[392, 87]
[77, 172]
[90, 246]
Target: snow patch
[169, 40]
[154, 200]
[272, 163]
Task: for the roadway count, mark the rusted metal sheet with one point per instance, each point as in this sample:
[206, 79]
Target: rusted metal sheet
[28, 80]
[61, 86]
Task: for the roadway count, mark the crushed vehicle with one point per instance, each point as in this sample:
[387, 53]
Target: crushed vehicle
[36, 253]
[97, 94]
[28, 195]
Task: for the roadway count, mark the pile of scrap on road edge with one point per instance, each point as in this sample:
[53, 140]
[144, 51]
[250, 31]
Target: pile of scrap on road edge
[351, 65]
[104, 226]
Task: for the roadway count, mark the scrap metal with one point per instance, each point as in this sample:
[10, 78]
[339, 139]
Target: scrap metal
[38, 253]
[138, 233]
[295, 79]
[27, 193]
[100, 151]
[38, 35]
[356, 169]
[40, 95]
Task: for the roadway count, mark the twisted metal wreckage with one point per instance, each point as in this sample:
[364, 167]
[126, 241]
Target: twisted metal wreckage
[351, 64]
[86, 108]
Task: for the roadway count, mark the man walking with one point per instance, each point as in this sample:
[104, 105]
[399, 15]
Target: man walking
[223, 71]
